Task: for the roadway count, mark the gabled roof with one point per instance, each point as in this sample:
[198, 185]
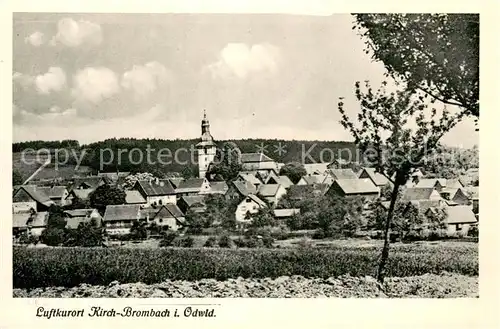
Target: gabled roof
[244, 188]
[357, 186]
[318, 179]
[218, 187]
[250, 178]
[77, 216]
[376, 177]
[338, 162]
[82, 194]
[169, 211]
[254, 157]
[285, 212]
[79, 212]
[122, 212]
[343, 174]
[175, 181]
[316, 168]
[191, 200]
[460, 214]
[54, 192]
[454, 183]
[36, 194]
[191, 185]
[151, 188]
[257, 200]
[285, 181]
[298, 192]
[133, 197]
[174, 210]
[417, 193]
[91, 181]
[430, 182]
[268, 190]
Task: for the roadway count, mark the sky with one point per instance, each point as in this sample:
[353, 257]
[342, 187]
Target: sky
[95, 76]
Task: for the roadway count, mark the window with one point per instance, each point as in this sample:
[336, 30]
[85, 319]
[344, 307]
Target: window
[160, 220]
[458, 227]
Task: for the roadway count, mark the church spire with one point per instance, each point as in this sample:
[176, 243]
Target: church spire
[205, 125]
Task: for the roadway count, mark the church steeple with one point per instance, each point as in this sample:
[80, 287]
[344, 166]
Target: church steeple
[205, 125]
[206, 147]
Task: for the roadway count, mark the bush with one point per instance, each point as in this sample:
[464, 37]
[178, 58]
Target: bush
[168, 238]
[225, 242]
[33, 267]
[211, 242]
[186, 242]
[473, 231]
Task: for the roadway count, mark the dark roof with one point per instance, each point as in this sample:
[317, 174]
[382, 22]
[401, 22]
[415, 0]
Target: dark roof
[245, 188]
[306, 191]
[122, 212]
[218, 187]
[92, 181]
[175, 181]
[174, 210]
[54, 191]
[343, 174]
[257, 200]
[171, 210]
[460, 214]
[133, 197]
[417, 193]
[318, 179]
[36, 194]
[255, 157]
[192, 200]
[191, 185]
[83, 193]
[152, 188]
[78, 212]
[357, 186]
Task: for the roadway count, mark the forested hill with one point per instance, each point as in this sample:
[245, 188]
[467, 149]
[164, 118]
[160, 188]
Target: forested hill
[178, 154]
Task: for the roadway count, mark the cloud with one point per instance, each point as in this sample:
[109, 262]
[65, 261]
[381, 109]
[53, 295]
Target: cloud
[53, 80]
[240, 60]
[94, 84]
[35, 39]
[73, 33]
[23, 80]
[143, 80]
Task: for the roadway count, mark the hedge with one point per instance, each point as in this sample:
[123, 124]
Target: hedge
[100, 266]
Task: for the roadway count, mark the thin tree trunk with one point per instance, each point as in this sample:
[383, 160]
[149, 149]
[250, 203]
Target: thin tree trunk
[387, 231]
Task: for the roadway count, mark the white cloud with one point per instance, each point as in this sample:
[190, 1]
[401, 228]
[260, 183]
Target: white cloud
[35, 39]
[241, 60]
[53, 80]
[94, 84]
[23, 79]
[143, 80]
[76, 33]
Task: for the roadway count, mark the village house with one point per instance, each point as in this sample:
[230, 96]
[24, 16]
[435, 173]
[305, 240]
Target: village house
[377, 178]
[240, 189]
[27, 197]
[258, 162]
[80, 194]
[135, 197]
[271, 193]
[192, 186]
[270, 178]
[251, 204]
[118, 219]
[282, 215]
[351, 188]
[250, 177]
[455, 196]
[303, 192]
[156, 192]
[420, 193]
[114, 178]
[56, 194]
[195, 203]
[77, 216]
[90, 182]
[218, 188]
[33, 223]
[175, 181]
[284, 181]
[316, 179]
[168, 216]
[339, 163]
[460, 219]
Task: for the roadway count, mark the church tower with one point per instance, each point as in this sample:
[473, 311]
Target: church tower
[206, 148]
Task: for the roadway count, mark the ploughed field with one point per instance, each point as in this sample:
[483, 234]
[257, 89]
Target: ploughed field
[419, 270]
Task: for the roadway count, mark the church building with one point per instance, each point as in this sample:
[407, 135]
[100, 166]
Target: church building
[206, 148]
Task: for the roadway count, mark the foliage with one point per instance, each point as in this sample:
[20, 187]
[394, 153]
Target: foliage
[219, 212]
[264, 217]
[293, 170]
[56, 217]
[130, 180]
[168, 238]
[185, 242]
[436, 54]
[138, 231]
[227, 164]
[26, 238]
[100, 266]
[78, 203]
[225, 241]
[85, 235]
[106, 195]
[195, 222]
[53, 236]
[451, 162]
[473, 231]
[211, 242]
[17, 178]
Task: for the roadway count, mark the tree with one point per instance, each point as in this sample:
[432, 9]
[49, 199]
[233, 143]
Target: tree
[194, 221]
[130, 180]
[436, 54]
[293, 170]
[78, 203]
[55, 232]
[138, 230]
[87, 234]
[395, 149]
[227, 164]
[264, 217]
[106, 195]
[17, 178]
[188, 172]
